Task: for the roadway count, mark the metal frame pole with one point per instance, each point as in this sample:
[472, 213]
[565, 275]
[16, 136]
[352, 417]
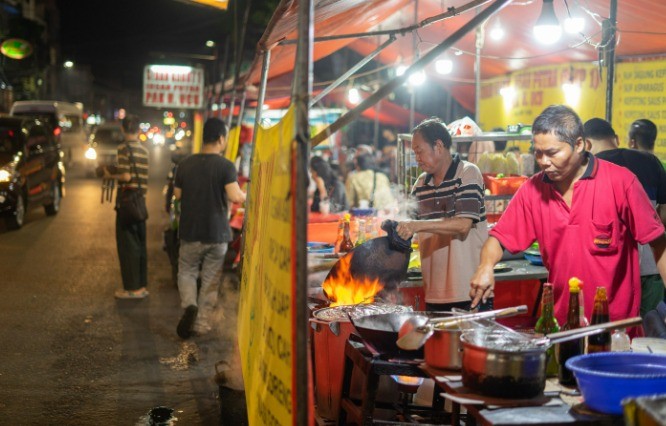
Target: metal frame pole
[301, 99]
[389, 87]
[609, 57]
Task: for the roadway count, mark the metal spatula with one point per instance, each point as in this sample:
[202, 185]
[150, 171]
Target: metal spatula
[416, 330]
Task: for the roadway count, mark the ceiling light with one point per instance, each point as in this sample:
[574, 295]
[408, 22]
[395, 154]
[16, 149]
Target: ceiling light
[574, 25]
[68, 64]
[400, 70]
[547, 29]
[444, 66]
[210, 43]
[458, 52]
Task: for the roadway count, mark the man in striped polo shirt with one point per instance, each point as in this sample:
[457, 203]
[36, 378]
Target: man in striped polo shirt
[132, 173]
[451, 218]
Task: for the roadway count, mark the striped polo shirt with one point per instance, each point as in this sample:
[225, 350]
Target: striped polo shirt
[140, 166]
[448, 262]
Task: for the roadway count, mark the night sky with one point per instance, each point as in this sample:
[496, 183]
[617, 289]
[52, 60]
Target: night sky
[116, 38]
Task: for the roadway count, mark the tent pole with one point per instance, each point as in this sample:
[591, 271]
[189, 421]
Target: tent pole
[609, 58]
[398, 81]
[241, 113]
[302, 89]
[477, 70]
[415, 49]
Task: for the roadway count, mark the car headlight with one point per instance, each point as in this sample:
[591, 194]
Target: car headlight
[91, 154]
[5, 175]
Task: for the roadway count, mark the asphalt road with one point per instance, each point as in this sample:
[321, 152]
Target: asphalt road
[73, 354]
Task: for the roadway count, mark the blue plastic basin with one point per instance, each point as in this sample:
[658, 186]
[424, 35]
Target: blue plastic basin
[606, 378]
[322, 248]
[533, 259]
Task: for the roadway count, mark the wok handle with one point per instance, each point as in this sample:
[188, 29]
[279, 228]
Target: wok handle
[499, 313]
[576, 333]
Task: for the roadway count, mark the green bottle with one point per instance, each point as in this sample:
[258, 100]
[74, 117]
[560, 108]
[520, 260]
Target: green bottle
[547, 324]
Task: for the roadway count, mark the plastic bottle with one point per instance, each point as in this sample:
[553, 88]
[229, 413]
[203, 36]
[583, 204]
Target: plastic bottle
[546, 324]
[599, 342]
[581, 303]
[346, 245]
[361, 233]
[620, 341]
[572, 348]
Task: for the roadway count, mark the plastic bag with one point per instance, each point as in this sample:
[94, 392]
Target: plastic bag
[464, 127]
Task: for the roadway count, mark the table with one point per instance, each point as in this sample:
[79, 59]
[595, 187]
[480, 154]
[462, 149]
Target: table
[554, 408]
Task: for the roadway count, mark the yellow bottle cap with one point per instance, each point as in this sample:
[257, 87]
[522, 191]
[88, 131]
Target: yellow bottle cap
[575, 284]
[347, 217]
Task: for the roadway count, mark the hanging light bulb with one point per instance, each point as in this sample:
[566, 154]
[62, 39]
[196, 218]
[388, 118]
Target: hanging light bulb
[444, 66]
[354, 96]
[497, 31]
[574, 25]
[547, 29]
[417, 78]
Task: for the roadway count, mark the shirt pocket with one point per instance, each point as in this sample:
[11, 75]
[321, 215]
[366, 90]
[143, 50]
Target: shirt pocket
[602, 237]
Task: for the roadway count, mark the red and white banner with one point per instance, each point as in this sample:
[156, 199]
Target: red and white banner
[170, 86]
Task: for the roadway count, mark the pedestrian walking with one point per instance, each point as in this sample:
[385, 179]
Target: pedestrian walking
[132, 175]
[204, 184]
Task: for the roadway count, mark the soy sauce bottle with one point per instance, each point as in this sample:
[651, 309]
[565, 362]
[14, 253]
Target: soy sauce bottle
[347, 244]
[600, 342]
[572, 348]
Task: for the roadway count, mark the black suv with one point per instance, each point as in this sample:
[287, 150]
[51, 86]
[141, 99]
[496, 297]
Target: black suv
[31, 170]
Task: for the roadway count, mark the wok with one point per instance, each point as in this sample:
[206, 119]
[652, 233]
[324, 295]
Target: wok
[380, 332]
[503, 365]
[375, 259]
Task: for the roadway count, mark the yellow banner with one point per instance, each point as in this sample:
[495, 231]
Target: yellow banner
[265, 322]
[233, 140]
[639, 92]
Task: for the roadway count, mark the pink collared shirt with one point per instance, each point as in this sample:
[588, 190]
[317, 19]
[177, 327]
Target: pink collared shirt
[594, 240]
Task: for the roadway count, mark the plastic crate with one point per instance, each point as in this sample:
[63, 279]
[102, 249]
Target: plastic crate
[507, 185]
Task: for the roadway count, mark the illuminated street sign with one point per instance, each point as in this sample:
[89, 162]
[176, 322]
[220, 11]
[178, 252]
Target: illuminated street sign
[16, 48]
[171, 86]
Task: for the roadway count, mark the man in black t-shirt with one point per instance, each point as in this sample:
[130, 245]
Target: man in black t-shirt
[204, 184]
[603, 143]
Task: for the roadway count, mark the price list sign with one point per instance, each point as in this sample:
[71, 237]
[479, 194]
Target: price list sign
[171, 86]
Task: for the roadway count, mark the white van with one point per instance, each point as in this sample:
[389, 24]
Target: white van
[66, 120]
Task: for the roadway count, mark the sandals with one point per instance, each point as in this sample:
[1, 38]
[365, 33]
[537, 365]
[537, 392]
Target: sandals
[127, 294]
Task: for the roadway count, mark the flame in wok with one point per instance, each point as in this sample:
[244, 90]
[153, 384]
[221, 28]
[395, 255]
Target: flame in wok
[344, 289]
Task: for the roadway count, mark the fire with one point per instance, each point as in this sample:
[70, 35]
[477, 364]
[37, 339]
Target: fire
[344, 289]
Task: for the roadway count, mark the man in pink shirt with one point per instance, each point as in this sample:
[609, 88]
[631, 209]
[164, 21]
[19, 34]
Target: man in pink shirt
[587, 215]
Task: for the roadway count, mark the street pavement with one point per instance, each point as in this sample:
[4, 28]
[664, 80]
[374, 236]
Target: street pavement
[73, 354]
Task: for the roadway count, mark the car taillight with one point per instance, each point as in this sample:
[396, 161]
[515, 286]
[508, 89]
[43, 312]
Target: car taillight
[57, 131]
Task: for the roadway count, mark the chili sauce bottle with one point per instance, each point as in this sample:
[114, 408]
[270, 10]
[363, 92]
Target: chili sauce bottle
[546, 324]
[600, 342]
[572, 348]
[346, 245]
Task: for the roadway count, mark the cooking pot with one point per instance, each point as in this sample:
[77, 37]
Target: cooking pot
[504, 365]
[444, 349]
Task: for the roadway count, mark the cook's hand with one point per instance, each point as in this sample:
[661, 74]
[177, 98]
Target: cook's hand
[405, 230]
[482, 284]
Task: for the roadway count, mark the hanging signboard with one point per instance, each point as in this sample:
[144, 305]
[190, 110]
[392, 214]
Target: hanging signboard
[16, 48]
[218, 4]
[171, 86]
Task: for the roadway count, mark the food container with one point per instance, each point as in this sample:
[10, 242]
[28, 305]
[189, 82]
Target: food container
[605, 379]
[444, 349]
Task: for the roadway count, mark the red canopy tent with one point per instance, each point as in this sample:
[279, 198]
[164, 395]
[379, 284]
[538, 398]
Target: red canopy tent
[637, 24]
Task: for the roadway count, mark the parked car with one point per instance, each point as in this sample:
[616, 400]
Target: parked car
[103, 146]
[31, 170]
[66, 120]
